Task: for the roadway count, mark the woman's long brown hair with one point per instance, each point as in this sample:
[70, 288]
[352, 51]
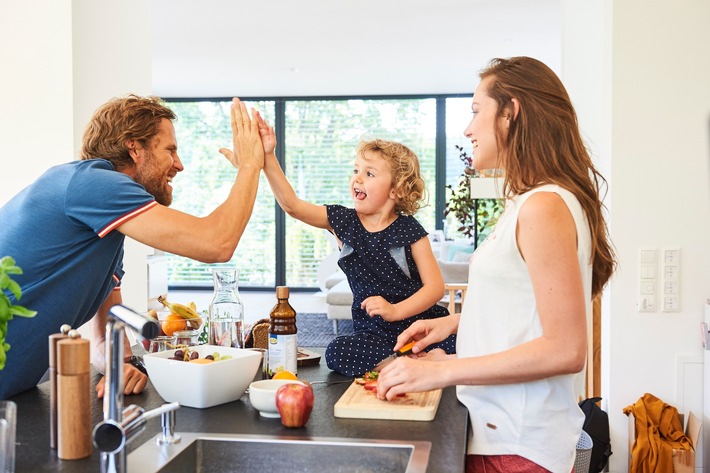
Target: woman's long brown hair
[544, 146]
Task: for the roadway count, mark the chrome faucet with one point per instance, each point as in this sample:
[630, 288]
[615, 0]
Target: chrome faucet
[120, 425]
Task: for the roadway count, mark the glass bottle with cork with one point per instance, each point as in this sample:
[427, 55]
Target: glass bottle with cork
[283, 338]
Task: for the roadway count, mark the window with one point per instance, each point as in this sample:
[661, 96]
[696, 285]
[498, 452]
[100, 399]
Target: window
[317, 141]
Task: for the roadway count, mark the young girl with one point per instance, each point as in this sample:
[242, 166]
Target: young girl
[385, 252]
[522, 331]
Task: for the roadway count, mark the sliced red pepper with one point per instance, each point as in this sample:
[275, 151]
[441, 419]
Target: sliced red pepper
[371, 385]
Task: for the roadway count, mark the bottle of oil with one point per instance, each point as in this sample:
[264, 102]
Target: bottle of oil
[283, 340]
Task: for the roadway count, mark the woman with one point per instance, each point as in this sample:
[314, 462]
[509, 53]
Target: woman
[522, 331]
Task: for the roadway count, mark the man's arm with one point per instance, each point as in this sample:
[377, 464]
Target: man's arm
[212, 238]
[133, 379]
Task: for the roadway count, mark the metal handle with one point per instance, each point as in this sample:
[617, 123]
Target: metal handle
[142, 325]
[167, 422]
[111, 436]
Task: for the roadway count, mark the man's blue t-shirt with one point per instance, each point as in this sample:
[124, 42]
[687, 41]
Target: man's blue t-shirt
[61, 231]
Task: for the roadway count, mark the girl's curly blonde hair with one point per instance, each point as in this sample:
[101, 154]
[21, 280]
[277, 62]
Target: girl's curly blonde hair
[406, 177]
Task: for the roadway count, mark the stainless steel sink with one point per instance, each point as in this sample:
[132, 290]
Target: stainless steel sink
[206, 453]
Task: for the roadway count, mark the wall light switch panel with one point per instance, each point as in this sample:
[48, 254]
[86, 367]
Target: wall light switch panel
[648, 271]
[646, 303]
[671, 304]
[648, 286]
[647, 256]
[670, 262]
[671, 256]
[670, 273]
[647, 277]
[670, 287]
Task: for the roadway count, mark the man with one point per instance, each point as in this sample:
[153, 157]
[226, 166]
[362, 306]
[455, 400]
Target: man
[66, 230]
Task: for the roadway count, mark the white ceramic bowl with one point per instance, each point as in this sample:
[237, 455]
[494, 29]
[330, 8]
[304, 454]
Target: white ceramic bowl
[262, 395]
[203, 385]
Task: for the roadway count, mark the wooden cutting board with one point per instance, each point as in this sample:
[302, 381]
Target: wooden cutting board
[359, 403]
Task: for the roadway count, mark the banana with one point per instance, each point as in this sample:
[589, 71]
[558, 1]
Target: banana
[153, 315]
[184, 311]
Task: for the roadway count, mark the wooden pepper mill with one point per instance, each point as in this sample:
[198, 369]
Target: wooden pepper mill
[53, 339]
[73, 398]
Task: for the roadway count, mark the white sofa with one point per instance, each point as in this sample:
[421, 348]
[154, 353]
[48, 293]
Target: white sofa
[339, 299]
[453, 262]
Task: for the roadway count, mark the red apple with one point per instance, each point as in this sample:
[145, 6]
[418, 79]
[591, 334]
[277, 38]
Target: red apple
[295, 403]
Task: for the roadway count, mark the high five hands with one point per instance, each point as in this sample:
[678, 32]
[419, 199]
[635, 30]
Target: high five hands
[247, 142]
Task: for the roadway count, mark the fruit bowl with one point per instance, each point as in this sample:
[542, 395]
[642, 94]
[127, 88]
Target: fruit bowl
[170, 323]
[262, 395]
[193, 384]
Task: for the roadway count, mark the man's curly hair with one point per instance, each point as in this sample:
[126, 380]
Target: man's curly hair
[406, 177]
[122, 119]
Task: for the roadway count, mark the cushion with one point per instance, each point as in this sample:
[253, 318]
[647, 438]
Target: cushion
[340, 294]
[453, 249]
[454, 272]
[334, 279]
[461, 257]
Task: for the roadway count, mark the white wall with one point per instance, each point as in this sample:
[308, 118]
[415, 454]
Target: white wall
[36, 112]
[639, 73]
[61, 60]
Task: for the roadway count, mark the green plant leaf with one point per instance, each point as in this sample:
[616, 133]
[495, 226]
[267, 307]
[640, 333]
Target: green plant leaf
[22, 311]
[7, 310]
[14, 288]
[7, 266]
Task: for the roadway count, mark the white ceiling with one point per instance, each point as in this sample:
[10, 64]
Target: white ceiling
[224, 48]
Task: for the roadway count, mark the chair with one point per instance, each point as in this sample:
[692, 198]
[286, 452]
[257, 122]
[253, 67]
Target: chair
[455, 293]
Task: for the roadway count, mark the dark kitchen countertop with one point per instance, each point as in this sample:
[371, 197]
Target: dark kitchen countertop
[447, 431]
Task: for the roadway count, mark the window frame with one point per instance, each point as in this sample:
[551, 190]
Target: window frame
[440, 146]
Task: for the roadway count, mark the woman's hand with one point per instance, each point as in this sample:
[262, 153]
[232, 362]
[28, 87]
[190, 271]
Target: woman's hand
[134, 381]
[408, 375]
[377, 305]
[427, 332]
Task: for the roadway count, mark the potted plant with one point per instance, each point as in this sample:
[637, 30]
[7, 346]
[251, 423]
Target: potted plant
[475, 216]
[7, 310]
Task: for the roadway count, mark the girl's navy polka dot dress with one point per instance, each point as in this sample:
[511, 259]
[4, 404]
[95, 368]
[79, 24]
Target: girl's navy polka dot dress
[376, 264]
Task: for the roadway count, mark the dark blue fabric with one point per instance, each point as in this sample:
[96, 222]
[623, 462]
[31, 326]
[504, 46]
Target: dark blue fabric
[376, 264]
[51, 230]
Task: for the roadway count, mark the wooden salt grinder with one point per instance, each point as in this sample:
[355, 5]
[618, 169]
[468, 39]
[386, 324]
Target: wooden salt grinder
[73, 399]
[53, 339]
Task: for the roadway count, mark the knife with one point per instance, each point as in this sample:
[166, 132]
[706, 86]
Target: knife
[405, 350]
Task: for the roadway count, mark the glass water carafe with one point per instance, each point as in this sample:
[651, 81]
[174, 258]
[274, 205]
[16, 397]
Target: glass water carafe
[226, 309]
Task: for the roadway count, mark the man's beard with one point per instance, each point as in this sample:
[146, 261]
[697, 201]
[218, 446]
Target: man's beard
[154, 182]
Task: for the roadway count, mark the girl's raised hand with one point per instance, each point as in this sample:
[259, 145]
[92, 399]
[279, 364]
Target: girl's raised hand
[268, 136]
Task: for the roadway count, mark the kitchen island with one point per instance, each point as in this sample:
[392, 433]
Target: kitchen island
[447, 432]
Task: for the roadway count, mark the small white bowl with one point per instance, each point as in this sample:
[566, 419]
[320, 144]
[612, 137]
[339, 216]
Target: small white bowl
[262, 395]
[202, 385]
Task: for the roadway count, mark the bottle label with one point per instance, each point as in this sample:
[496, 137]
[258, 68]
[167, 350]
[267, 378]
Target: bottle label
[283, 353]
